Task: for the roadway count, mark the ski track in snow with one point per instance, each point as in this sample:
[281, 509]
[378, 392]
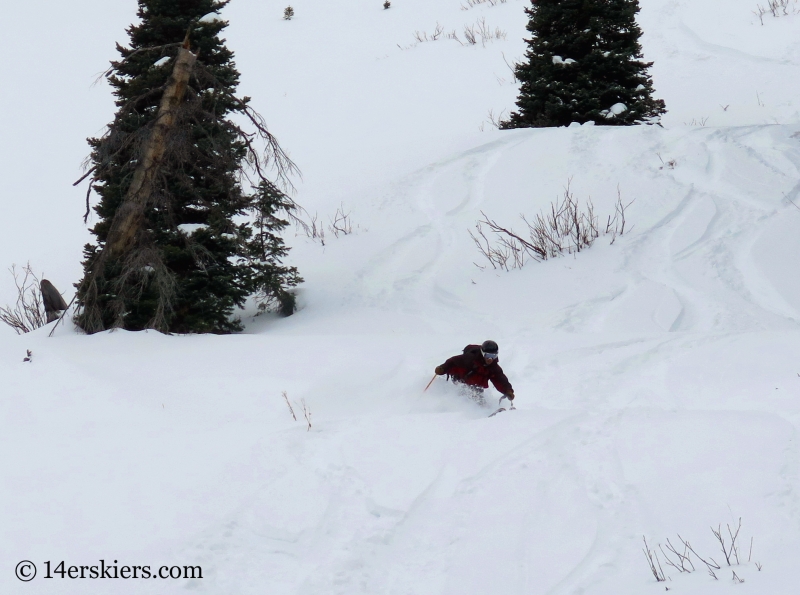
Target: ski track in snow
[684, 276]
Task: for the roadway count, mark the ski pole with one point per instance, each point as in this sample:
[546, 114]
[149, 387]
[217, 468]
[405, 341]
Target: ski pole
[510, 402]
[431, 382]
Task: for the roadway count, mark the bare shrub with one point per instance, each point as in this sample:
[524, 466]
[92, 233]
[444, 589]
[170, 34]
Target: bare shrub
[27, 314]
[470, 35]
[567, 228]
[422, 37]
[311, 226]
[288, 13]
[730, 552]
[480, 32]
[680, 558]
[341, 224]
[653, 562]
[473, 3]
[777, 8]
[496, 120]
[697, 122]
[306, 410]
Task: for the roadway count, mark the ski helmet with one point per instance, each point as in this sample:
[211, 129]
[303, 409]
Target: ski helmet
[489, 347]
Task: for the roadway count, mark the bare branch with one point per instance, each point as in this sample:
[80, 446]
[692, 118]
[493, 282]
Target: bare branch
[289, 405]
[709, 565]
[306, 414]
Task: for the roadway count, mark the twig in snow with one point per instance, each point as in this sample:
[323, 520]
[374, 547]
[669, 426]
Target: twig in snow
[683, 559]
[289, 405]
[653, 562]
[306, 414]
[732, 551]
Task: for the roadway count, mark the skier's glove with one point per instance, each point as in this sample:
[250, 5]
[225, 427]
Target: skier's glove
[510, 395]
[439, 370]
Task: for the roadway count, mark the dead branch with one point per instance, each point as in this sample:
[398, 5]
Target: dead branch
[84, 176]
[130, 214]
[64, 313]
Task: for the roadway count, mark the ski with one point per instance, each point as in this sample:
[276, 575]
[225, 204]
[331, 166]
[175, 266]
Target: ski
[512, 408]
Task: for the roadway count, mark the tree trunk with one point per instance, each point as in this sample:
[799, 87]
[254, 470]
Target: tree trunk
[130, 214]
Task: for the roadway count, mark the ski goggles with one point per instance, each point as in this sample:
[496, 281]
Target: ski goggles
[488, 355]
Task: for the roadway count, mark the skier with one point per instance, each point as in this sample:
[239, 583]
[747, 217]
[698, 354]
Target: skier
[475, 367]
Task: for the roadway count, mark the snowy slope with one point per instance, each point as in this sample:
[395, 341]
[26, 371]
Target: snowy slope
[658, 392]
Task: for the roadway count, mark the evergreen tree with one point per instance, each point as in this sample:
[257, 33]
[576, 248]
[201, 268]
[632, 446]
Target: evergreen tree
[180, 183]
[266, 249]
[583, 64]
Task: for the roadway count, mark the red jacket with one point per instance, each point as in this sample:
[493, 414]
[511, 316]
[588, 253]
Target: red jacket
[471, 369]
